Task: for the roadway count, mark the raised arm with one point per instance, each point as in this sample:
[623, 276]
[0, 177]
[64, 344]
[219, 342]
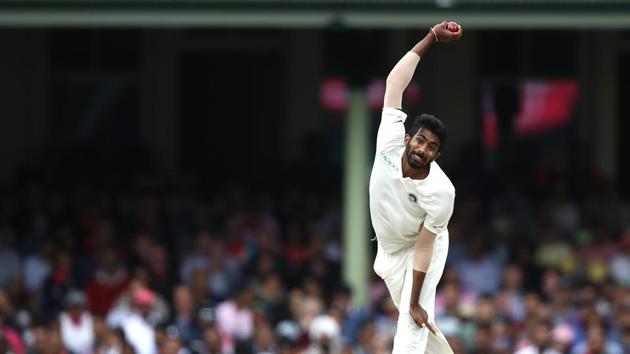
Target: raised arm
[401, 74]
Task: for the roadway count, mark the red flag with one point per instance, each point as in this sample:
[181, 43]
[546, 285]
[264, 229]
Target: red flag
[333, 95]
[545, 105]
[489, 120]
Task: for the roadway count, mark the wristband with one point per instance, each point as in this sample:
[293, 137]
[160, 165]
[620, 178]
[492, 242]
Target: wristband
[434, 34]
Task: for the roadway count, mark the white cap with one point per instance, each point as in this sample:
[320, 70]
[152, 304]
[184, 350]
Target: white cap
[324, 325]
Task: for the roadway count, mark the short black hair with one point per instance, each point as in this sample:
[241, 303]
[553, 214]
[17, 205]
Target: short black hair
[430, 122]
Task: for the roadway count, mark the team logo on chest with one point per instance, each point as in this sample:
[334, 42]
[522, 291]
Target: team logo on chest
[412, 198]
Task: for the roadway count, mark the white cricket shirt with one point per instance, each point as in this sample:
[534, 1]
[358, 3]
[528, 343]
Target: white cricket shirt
[399, 207]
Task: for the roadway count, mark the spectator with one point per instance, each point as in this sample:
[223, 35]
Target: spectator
[621, 330]
[10, 259]
[223, 272]
[596, 342]
[109, 281]
[387, 319]
[162, 279]
[37, 267]
[211, 342]
[264, 340]
[185, 315]
[562, 303]
[273, 300]
[101, 332]
[365, 343]
[173, 345]
[11, 338]
[54, 343]
[352, 318]
[199, 258]
[235, 319]
[510, 298]
[620, 263]
[305, 309]
[563, 338]
[200, 287]
[540, 340]
[60, 281]
[125, 303]
[7, 310]
[318, 266]
[293, 248]
[115, 342]
[325, 336]
[482, 340]
[479, 274]
[76, 324]
[137, 328]
[210, 273]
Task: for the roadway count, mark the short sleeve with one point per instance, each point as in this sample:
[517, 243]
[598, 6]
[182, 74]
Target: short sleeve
[391, 131]
[439, 208]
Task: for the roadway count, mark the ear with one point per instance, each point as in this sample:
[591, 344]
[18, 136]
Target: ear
[437, 156]
[407, 138]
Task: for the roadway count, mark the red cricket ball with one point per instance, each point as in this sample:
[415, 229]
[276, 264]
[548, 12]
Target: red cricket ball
[452, 26]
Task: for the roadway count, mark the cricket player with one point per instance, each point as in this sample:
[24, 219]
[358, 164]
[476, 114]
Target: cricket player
[411, 202]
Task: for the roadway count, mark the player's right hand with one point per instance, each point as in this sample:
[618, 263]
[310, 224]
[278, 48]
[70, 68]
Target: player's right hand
[420, 317]
[445, 35]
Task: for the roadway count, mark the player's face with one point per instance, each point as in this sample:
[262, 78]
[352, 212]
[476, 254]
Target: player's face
[422, 148]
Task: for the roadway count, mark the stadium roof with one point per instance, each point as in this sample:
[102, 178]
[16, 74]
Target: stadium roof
[603, 14]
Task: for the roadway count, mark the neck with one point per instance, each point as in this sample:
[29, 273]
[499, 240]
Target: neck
[420, 173]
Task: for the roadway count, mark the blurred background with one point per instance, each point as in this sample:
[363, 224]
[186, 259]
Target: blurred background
[183, 176]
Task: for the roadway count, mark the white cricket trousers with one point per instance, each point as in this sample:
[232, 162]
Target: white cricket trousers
[397, 271]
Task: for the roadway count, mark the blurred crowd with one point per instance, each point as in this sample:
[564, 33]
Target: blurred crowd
[536, 267]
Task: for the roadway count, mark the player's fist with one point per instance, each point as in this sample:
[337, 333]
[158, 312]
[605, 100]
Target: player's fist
[447, 31]
[452, 26]
[420, 317]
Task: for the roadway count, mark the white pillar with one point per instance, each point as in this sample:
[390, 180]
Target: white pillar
[356, 238]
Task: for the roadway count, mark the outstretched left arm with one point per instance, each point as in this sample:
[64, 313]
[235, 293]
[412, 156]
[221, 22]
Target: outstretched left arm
[422, 254]
[439, 208]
